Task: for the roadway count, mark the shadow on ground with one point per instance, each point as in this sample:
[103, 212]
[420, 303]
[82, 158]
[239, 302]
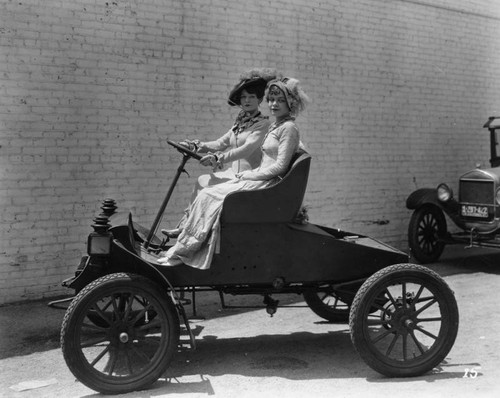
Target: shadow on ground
[271, 356]
[459, 260]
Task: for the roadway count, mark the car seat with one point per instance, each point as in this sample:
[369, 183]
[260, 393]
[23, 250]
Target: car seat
[278, 203]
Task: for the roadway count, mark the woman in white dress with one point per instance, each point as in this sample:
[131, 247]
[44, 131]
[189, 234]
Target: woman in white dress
[196, 243]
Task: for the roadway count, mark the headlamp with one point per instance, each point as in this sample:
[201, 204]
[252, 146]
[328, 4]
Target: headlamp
[444, 193]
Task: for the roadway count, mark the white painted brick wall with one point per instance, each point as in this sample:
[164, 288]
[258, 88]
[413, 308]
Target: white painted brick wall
[90, 91]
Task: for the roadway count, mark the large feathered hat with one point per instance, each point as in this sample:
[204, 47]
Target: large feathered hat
[255, 81]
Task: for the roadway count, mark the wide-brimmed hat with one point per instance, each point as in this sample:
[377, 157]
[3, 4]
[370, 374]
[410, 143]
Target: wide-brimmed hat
[255, 80]
[257, 84]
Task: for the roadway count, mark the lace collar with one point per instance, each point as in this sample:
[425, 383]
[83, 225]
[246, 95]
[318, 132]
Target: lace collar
[244, 122]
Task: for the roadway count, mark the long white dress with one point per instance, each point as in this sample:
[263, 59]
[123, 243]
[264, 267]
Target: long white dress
[196, 244]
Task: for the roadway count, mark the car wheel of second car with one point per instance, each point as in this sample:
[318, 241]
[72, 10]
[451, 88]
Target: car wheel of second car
[425, 232]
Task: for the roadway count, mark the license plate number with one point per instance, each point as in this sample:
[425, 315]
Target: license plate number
[475, 211]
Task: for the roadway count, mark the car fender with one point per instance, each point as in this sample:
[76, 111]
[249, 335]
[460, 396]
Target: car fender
[126, 261]
[421, 197]
[123, 261]
[428, 196]
[88, 271]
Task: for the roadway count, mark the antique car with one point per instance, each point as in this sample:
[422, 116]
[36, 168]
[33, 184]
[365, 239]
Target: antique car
[121, 330]
[475, 211]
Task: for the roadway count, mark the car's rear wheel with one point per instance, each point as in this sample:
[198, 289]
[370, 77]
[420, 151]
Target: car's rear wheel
[328, 304]
[404, 320]
[119, 334]
[426, 231]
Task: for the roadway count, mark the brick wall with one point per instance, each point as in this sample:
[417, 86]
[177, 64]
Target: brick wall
[90, 91]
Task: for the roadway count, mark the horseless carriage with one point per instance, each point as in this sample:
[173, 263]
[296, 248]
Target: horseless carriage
[122, 328]
[476, 210]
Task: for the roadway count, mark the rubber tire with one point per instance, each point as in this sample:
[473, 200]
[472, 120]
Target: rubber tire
[324, 310]
[164, 311]
[363, 305]
[430, 222]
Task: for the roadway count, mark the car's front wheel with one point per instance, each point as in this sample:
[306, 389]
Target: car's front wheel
[119, 334]
[426, 231]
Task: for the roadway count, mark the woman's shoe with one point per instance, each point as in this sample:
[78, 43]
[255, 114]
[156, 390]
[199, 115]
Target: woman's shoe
[172, 233]
[169, 261]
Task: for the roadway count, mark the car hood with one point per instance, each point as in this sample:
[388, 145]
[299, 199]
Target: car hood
[483, 174]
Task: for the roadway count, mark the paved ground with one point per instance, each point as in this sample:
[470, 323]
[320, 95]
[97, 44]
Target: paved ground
[293, 354]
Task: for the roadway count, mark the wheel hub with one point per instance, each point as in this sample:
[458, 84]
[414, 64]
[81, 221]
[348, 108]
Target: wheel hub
[409, 324]
[402, 320]
[121, 333]
[124, 337]
[429, 233]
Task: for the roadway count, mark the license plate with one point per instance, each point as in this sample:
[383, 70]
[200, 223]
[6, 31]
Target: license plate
[475, 211]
